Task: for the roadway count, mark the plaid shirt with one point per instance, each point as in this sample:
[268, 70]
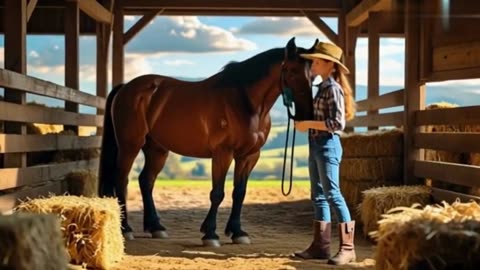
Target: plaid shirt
[329, 106]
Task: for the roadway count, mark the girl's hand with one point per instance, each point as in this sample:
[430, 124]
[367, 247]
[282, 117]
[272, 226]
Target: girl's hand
[301, 126]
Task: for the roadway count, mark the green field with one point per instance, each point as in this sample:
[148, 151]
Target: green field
[207, 183]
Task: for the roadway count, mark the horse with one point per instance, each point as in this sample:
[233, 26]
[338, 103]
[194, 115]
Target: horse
[224, 117]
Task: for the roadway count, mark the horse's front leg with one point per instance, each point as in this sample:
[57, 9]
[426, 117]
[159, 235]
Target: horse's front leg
[243, 168]
[220, 163]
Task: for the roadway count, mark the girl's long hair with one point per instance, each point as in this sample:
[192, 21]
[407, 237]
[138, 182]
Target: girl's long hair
[350, 104]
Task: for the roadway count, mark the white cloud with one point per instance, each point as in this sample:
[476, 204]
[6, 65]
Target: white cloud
[185, 34]
[2, 55]
[296, 26]
[178, 62]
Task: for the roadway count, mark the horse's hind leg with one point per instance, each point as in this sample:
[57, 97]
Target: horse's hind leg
[220, 163]
[126, 156]
[155, 157]
[243, 168]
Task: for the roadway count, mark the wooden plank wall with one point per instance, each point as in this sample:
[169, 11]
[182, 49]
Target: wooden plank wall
[20, 182]
[450, 51]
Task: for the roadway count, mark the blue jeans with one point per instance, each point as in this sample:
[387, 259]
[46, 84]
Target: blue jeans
[325, 155]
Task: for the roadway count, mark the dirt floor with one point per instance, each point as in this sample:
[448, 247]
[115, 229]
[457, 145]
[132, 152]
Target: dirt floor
[277, 225]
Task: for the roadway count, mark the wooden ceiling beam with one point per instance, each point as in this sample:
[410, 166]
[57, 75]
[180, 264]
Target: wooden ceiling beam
[249, 12]
[322, 26]
[333, 5]
[138, 26]
[30, 7]
[96, 11]
[360, 12]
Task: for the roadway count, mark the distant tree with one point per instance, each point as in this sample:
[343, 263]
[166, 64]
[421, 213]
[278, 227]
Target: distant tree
[199, 170]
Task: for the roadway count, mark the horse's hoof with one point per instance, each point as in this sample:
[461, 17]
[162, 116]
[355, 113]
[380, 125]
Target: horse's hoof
[243, 240]
[211, 243]
[160, 234]
[128, 236]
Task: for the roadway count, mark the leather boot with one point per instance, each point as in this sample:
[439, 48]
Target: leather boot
[320, 246]
[346, 253]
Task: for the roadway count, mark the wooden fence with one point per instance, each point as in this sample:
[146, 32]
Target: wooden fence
[24, 181]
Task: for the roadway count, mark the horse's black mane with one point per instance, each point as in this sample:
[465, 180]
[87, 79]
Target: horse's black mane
[245, 73]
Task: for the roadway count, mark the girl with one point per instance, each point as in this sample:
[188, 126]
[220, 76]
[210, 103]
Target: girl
[333, 105]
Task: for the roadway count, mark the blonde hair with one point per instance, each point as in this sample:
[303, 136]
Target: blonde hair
[350, 104]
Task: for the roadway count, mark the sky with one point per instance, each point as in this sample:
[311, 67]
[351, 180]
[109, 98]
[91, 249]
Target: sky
[194, 48]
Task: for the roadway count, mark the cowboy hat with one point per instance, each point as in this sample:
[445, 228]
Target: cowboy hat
[327, 51]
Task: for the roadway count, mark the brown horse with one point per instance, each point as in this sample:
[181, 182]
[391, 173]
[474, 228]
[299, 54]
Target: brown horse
[224, 117]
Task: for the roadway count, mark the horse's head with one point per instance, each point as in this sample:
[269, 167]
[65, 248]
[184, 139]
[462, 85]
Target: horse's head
[295, 80]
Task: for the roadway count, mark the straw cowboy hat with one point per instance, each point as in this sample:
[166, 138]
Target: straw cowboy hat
[327, 51]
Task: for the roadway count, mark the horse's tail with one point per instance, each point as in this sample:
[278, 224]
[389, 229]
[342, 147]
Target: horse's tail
[109, 150]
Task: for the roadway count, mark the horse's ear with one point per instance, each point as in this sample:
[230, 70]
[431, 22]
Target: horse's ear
[312, 49]
[291, 49]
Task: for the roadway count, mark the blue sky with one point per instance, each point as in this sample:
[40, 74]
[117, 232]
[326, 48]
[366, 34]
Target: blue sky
[198, 47]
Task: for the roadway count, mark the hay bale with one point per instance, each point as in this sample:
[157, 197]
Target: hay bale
[31, 241]
[74, 155]
[378, 143]
[435, 237]
[82, 183]
[439, 155]
[381, 169]
[352, 190]
[377, 201]
[91, 227]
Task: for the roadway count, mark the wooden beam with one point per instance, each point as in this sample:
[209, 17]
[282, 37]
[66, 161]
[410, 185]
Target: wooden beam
[139, 25]
[14, 80]
[36, 114]
[13, 143]
[391, 99]
[15, 21]
[235, 5]
[456, 56]
[118, 61]
[30, 7]
[390, 24]
[96, 11]
[322, 26]
[450, 197]
[414, 90]
[361, 11]
[451, 116]
[376, 120]
[449, 141]
[466, 175]
[373, 84]
[72, 51]
[232, 12]
[14, 178]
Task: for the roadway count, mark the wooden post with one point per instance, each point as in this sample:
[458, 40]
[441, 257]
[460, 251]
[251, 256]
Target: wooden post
[118, 53]
[414, 91]
[373, 84]
[72, 34]
[15, 23]
[103, 37]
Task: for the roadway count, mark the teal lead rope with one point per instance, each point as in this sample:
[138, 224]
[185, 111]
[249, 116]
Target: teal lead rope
[287, 96]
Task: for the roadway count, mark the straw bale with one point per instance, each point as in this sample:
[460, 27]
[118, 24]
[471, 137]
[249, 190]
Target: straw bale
[78, 154]
[438, 155]
[91, 227]
[82, 183]
[372, 169]
[377, 201]
[435, 237]
[352, 190]
[376, 143]
[31, 241]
